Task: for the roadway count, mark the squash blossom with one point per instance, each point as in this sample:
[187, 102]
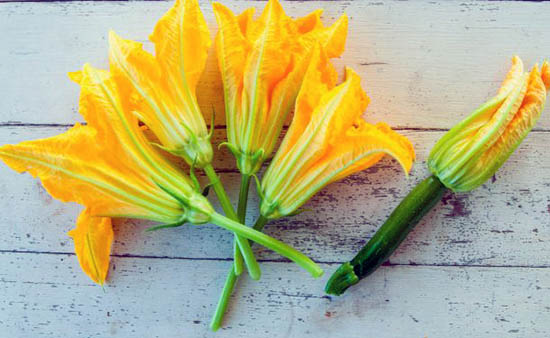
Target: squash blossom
[160, 90]
[262, 63]
[462, 160]
[111, 168]
[473, 150]
[327, 141]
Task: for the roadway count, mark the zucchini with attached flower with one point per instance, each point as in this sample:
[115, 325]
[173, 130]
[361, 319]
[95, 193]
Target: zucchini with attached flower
[468, 155]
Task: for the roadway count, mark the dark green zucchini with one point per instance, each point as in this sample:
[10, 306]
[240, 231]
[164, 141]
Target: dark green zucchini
[384, 242]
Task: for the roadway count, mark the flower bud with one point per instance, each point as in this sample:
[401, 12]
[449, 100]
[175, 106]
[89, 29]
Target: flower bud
[473, 150]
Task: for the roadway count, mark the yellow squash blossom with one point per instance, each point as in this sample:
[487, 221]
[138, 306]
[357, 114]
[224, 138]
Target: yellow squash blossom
[161, 88]
[327, 141]
[262, 63]
[473, 150]
[111, 168]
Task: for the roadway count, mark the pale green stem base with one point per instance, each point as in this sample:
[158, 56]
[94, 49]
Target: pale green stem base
[229, 285]
[244, 251]
[268, 242]
[241, 214]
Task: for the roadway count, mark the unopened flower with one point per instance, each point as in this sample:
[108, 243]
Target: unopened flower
[473, 150]
[262, 64]
[327, 140]
[161, 88]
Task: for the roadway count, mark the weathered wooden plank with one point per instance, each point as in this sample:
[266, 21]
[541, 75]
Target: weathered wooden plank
[425, 72]
[505, 222]
[43, 295]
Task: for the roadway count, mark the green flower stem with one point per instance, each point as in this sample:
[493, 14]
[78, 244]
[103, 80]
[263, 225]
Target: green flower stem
[384, 242]
[229, 285]
[243, 197]
[241, 214]
[268, 242]
[244, 251]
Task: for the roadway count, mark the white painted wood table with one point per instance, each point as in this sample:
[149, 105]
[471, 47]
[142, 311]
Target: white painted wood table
[477, 266]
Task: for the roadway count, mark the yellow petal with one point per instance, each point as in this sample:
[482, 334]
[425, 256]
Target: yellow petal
[245, 20]
[334, 113]
[484, 166]
[107, 165]
[138, 79]
[267, 64]
[545, 71]
[483, 127]
[231, 49]
[332, 38]
[263, 63]
[93, 237]
[161, 98]
[365, 138]
[473, 150]
[181, 40]
[320, 77]
[327, 141]
[118, 129]
[310, 22]
[74, 168]
[514, 74]
[359, 148]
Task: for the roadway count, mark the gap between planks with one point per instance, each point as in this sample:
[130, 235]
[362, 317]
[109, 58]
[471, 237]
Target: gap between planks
[227, 259]
[221, 127]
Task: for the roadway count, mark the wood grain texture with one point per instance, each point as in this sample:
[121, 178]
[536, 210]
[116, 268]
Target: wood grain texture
[174, 298]
[477, 266]
[427, 72]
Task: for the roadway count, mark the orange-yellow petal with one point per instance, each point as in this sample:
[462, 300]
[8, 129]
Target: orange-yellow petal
[244, 19]
[377, 139]
[545, 71]
[483, 127]
[160, 89]
[262, 63]
[473, 150]
[333, 38]
[182, 40]
[484, 166]
[117, 128]
[327, 141]
[74, 168]
[93, 237]
[310, 22]
[231, 49]
[320, 77]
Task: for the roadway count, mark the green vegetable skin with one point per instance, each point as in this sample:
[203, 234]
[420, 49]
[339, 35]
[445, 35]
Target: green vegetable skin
[384, 242]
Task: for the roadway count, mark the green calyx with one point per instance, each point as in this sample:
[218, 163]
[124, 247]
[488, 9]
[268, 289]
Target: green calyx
[248, 163]
[197, 152]
[269, 209]
[196, 208]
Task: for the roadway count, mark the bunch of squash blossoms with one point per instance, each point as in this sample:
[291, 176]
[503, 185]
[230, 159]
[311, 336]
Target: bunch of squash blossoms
[270, 66]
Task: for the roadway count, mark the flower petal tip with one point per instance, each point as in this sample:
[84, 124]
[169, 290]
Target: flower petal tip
[545, 72]
[75, 76]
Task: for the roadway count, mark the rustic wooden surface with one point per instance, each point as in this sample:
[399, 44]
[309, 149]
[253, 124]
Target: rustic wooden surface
[477, 266]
